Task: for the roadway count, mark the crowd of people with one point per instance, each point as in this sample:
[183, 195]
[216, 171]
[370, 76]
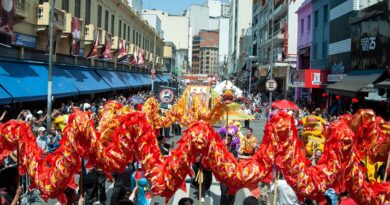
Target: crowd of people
[240, 141]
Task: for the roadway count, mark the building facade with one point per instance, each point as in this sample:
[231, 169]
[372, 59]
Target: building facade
[320, 37]
[169, 56]
[205, 53]
[240, 18]
[114, 17]
[284, 39]
[136, 5]
[223, 45]
[155, 22]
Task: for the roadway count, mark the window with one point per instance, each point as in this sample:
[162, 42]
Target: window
[112, 24]
[87, 12]
[308, 23]
[120, 29]
[99, 16]
[324, 49]
[77, 8]
[316, 19]
[136, 38]
[326, 14]
[65, 5]
[128, 33]
[124, 30]
[133, 40]
[106, 21]
[302, 25]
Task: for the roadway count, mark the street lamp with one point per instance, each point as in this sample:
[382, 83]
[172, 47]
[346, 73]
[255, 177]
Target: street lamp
[49, 81]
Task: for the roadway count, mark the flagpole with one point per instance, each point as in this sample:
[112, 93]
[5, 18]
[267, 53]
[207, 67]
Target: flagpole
[272, 52]
[51, 52]
[154, 57]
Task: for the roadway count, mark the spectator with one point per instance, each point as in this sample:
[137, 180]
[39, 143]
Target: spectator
[163, 145]
[10, 192]
[286, 195]
[248, 112]
[250, 200]
[54, 139]
[186, 201]
[122, 184]
[72, 197]
[42, 140]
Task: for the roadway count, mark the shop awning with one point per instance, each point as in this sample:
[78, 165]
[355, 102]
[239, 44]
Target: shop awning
[131, 80]
[113, 78]
[384, 84]
[142, 79]
[87, 81]
[164, 78]
[28, 81]
[352, 84]
[5, 98]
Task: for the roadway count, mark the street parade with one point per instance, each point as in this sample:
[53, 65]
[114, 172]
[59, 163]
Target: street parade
[196, 102]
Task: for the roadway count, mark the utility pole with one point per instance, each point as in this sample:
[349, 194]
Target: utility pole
[51, 52]
[272, 49]
[154, 58]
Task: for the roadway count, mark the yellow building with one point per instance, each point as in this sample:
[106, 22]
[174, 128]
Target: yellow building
[109, 16]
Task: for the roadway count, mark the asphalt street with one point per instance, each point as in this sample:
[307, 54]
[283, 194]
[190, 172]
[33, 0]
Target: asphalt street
[214, 194]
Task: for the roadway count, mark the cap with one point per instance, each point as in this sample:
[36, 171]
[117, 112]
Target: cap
[40, 112]
[87, 106]
[42, 129]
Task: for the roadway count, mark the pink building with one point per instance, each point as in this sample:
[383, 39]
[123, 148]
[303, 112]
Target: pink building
[305, 27]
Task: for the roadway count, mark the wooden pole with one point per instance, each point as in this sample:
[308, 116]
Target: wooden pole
[387, 167]
[276, 187]
[81, 187]
[199, 179]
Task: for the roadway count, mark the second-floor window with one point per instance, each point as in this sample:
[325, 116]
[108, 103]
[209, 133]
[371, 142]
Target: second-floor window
[133, 40]
[302, 25]
[316, 19]
[87, 12]
[65, 5]
[77, 8]
[106, 16]
[124, 30]
[112, 24]
[128, 33]
[120, 28]
[326, 14]
[308, 23]
[99, 16]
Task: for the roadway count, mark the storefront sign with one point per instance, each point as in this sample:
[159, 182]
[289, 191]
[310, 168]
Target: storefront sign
[314, 78]
[263, 72]
[19, 39]
[368, 43]
[336, 78]
[297, 79]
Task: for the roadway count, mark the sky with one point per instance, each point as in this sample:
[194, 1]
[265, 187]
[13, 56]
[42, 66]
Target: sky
[175, 7]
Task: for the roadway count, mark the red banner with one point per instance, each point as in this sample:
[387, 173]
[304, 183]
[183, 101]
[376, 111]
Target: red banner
[106, 50]
[134, 58]
[93, 53]
[76, 28]
[141, 60]
[122, 52]
[315, 78]
[7, 11]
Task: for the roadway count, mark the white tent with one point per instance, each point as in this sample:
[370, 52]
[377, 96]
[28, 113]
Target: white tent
[225, 85]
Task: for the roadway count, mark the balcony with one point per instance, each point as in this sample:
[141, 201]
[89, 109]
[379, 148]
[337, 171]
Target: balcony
[20, 8]
[90, 34]
[115, 43]
[43, 17]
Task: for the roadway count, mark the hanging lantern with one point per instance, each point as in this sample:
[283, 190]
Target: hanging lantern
[355, 100]
[337, 97]
[324, 95]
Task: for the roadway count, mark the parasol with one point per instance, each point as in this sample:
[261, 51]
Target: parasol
[233, 112]
[285, 104]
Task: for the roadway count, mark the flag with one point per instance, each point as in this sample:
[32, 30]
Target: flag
[76, 27]
[7, 11]
[141, 60]
[93, 53]
[106, 50]
[122, 53]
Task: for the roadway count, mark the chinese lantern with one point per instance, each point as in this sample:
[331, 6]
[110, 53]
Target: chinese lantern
[355, 100]
[337, 97]
[324, 95]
